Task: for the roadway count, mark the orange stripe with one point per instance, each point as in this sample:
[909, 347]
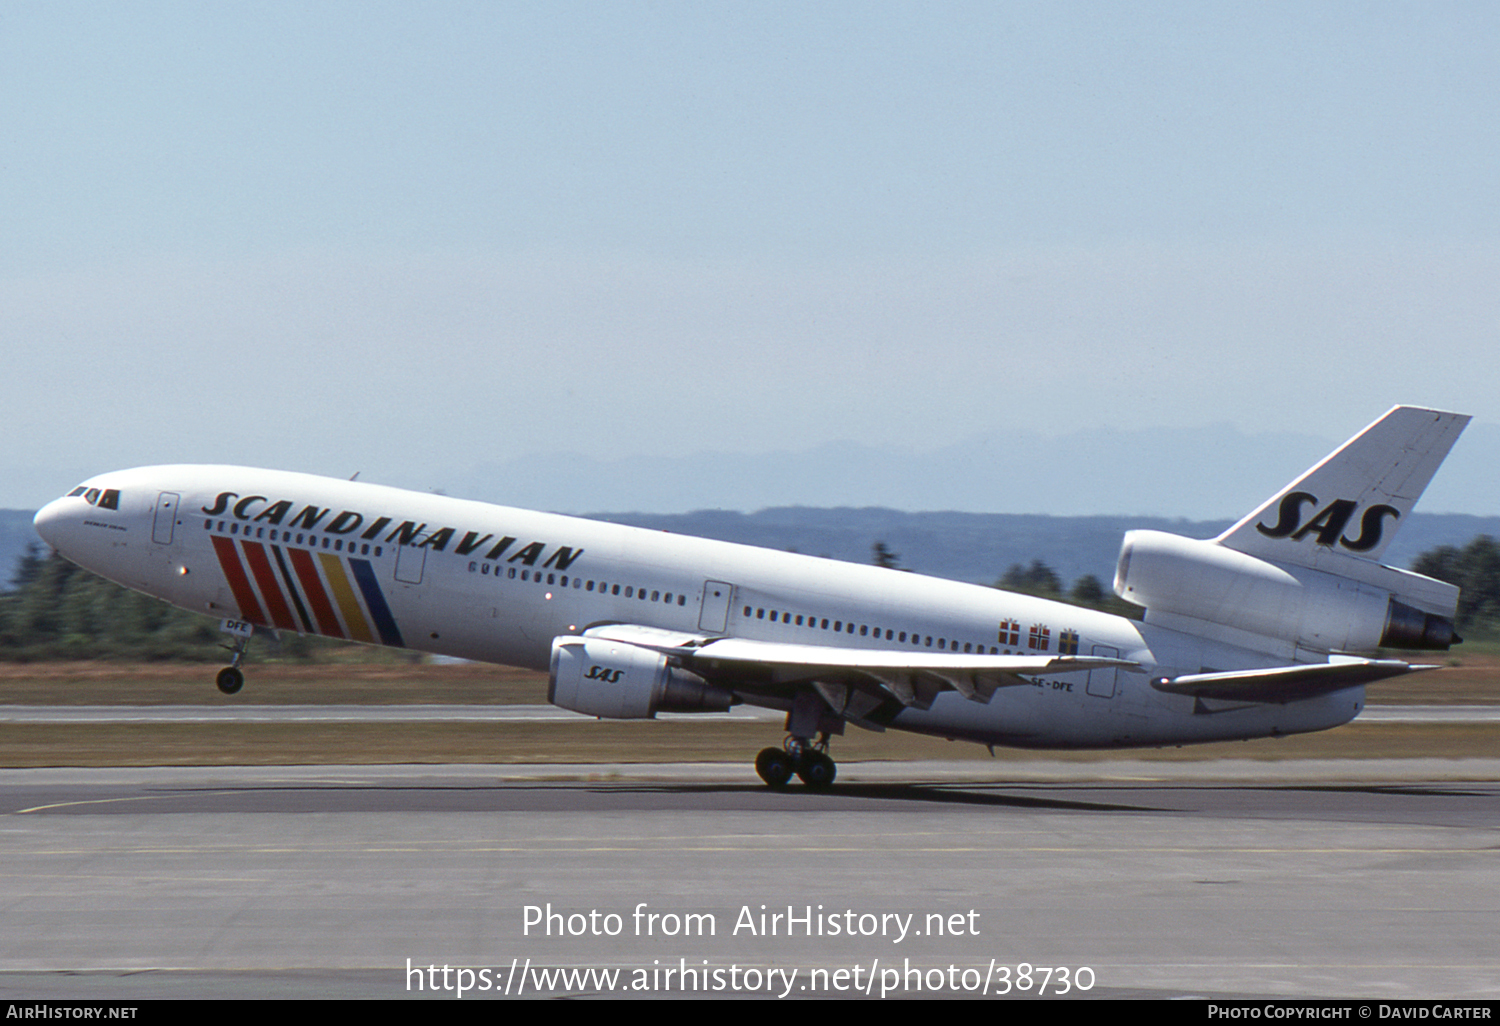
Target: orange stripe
[270, 591]
[316, 596]
[239, 584]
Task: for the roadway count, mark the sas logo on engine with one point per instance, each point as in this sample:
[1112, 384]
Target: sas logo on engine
[1327, 525]
[597, 672]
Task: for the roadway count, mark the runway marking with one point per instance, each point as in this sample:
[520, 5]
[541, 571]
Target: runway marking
[107, 801]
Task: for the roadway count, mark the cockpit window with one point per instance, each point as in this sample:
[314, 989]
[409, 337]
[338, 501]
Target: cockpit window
[104, 498]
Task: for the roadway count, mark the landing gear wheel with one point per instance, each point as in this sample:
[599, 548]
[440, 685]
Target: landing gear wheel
[817, 770]
[774, 766]
[230, 680]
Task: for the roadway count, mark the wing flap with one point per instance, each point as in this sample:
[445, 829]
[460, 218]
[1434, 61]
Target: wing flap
[914, 679]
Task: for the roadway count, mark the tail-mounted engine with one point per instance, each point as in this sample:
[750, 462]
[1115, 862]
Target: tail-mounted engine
[1346, 604]
[611, 678]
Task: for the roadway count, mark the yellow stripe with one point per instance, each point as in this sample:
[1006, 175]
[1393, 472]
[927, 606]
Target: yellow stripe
[343, 594]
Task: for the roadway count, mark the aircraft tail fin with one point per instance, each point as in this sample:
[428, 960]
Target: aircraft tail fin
[1355, 500]
[1301, 574]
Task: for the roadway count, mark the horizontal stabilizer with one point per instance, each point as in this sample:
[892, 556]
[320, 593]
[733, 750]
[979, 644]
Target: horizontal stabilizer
[1286, 683]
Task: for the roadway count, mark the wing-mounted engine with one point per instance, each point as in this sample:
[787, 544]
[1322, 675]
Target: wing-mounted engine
[1345, 604]
[601, 677]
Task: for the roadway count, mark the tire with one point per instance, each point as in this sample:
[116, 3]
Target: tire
[817, 771]
[774, 766]
[230, 680]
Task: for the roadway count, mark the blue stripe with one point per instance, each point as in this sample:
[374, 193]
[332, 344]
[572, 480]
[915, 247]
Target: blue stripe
[385, 623]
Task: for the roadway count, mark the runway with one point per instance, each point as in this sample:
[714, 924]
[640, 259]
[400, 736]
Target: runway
[1335, 879]
[527, 714]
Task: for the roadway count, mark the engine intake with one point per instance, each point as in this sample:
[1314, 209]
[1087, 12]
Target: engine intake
[599, 677]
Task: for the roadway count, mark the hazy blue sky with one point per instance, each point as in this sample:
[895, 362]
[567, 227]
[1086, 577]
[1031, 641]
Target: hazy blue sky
[415, 238]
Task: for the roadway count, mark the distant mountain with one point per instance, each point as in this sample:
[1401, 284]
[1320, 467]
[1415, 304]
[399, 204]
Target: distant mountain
[979, 547]
[1201, 473]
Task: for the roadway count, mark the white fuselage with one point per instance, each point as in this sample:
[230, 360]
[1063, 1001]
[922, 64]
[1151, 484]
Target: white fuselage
[387, 566]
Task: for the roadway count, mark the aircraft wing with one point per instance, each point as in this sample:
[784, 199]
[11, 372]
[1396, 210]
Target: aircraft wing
[1286, 683]
[913, 679]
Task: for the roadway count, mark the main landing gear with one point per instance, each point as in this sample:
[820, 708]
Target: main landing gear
[809, 760]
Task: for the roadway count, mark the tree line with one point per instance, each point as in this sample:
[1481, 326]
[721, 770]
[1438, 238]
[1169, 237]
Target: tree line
[1474, 568]
[56, 610]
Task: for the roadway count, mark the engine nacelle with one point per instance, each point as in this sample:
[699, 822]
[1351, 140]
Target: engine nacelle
[626, 682]
[1363, 607]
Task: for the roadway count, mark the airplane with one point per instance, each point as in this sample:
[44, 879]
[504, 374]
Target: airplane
[1272, 628]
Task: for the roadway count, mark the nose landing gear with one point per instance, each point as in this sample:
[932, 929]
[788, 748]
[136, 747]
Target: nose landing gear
[231, 678]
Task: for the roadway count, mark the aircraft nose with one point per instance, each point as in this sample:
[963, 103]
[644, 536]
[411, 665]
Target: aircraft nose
[51, 523]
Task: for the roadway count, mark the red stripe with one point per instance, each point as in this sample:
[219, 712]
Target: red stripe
[239, 584]
[312, 586]
[260, 566]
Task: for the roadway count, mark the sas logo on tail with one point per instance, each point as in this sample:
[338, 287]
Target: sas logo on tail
[1327, 525]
